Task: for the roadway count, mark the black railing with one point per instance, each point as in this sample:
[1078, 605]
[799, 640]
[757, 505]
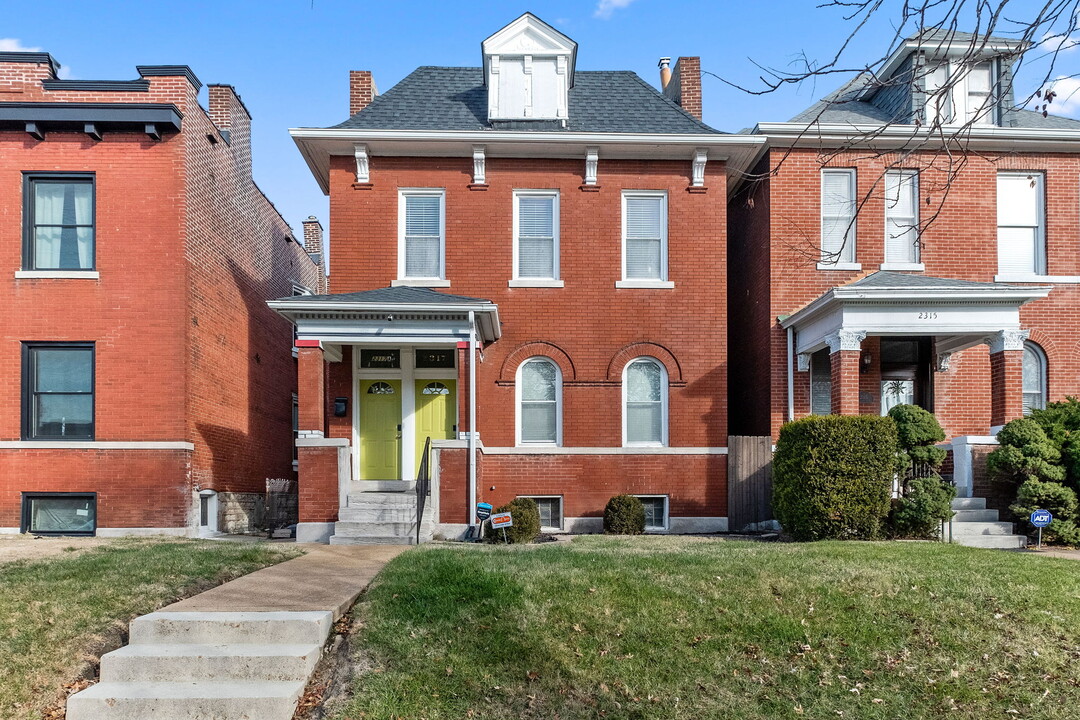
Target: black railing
[423, 487]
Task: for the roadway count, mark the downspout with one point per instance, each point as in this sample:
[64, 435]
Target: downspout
[472, 419]
[790, 374]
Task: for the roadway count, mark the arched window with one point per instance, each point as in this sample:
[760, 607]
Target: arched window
[539, 402]
[645, 402]
[1034, 378]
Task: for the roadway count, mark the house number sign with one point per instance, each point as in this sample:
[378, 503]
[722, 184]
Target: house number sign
[928, 315]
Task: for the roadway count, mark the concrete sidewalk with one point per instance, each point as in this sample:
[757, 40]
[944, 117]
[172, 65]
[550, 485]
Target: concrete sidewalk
[326, 577]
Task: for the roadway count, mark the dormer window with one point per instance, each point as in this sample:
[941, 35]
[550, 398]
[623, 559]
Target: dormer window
[961, 94]
[528, 70]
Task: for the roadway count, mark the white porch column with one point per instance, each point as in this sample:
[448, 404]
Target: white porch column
[472, 419]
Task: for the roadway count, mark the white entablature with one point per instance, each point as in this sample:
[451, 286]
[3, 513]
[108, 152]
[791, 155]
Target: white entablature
[528, 70]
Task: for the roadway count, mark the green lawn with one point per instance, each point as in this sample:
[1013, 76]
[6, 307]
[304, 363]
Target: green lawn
[55, 613]
[654, 627]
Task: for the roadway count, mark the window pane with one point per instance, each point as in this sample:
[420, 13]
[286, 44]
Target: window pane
[644, 423]
[643, 259]
[901, 244]
[64, 416]
[538, 422]
[1032, 370]
[654, 512]
[535, 216]
[821, 383]
[538, 380]
[422, 257]
[896, 392]
[836, 235]
[422, 215]
[536, 258]
[900, 194]
[837, 194]
[63, 248]
[62, 514]
[1017, 251]
[979, 79]
[63, 370]
[550, 516]
[62, 203]
[1018, 200]
[644, 217]
[643, 380]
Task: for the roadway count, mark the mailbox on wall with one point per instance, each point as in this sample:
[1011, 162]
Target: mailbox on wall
[341, 406]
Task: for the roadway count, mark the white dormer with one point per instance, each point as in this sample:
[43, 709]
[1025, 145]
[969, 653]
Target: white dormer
[528, 70]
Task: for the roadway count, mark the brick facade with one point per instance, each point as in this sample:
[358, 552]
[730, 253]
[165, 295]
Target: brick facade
[187, 251]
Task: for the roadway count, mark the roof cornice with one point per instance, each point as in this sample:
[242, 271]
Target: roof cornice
[915, 137]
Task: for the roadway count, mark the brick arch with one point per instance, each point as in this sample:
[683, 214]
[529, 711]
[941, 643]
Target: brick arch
[1046, 343]
[644, 349]
[537, 348]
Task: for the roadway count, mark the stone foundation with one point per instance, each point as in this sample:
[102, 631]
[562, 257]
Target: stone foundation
[241, 513]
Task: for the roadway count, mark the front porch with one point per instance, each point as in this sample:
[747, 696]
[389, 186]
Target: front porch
[380, 373]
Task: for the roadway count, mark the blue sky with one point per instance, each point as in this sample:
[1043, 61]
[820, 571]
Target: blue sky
[289, 59]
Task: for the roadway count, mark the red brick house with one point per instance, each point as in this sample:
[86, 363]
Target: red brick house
[914, 240]
[145, 385]
[529, 268]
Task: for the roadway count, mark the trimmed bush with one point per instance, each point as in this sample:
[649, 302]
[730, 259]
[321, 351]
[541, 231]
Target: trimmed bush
[1026, 453]
[832, 476]
[916, 431]
[925, 505]
[624, 515]
[1059, 500]
[526, 527]
[1061, 423]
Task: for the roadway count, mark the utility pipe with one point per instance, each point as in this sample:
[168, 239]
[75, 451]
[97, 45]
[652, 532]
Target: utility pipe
[790, 374]
[472, 419]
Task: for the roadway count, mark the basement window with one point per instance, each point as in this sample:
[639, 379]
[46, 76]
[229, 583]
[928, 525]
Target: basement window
[59, 513]
[551, 515]
[656, 511]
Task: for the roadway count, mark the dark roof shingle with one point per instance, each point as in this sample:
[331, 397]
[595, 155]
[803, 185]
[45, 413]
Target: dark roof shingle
[402, 295]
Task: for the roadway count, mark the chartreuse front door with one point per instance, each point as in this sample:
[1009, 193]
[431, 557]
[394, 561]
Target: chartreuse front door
[380, 430]
[436, 413]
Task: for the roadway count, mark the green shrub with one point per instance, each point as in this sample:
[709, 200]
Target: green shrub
[916, 431]
[1026, 453]
[1061, 423]
[624, 515]
[920, 512]
[526, 517]
[1059, 500]
[832, 476]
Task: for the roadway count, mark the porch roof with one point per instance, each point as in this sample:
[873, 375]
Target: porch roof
[421, 315]
[961, 313]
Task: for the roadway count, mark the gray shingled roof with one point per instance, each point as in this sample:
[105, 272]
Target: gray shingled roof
[883, 280]
[455, 98]
[403, 295]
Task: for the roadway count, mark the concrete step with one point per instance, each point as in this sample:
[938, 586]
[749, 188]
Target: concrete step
[382, 501]
[376, 539]
[369, 514]
[398, 486]
[1003, 542]
[226, 628]
[981, 528]
[186, 701]
[962, 516]
[184, 662]
[971, 503]
[360, 529]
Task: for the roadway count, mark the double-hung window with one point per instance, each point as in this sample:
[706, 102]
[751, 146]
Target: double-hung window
[902, 219]
[58, 221]
[838, 219]
[539, 384]
[58, 391]
[536, 237]
[978, 94]
[1034, 378]
[1021, 229]
[645, 391]
[645, 239]
[422, 236]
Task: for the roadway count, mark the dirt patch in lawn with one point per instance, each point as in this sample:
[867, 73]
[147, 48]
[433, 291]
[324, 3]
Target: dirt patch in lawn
[28, 547]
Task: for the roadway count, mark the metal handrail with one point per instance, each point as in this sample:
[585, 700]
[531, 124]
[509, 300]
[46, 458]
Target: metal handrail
[423, 487]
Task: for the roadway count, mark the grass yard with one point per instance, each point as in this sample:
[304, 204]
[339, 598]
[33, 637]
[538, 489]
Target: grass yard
[55, 614]
[654, 627]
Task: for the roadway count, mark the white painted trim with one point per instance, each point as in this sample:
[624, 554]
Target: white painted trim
[630, 450]
[839, 266]
[709, 140]
[916, 267]
[363, 173]
[9, 531]
[664, 392]
[322, 442]
[532, 282]
[1062, 279]
[645, 284]
[408, 282]
[663, 240]
[408, 413]
[212, 510]
[57, 274]
[143, 532]
[995, 429]
[402, 194]
[96, 445]
[314, 532]
[558, 403]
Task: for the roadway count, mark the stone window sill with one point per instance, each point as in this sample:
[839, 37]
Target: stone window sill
[646, 284]
[58, 274]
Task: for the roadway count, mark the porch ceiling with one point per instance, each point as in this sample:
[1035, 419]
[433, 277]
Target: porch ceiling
[959, 313]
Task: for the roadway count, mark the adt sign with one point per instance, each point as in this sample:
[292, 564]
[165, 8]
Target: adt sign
[1041, 518]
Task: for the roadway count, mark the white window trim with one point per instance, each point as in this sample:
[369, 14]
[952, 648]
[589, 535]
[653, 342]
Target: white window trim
[1063, 279]
[917, 264]
[402, 279]
[662, 281]
[664, 392]
[903, 266]
[1040, 257]
[58, 274]
[839, 264]
[519, 281]
[558, 404]
[562, 513]
[667, 513]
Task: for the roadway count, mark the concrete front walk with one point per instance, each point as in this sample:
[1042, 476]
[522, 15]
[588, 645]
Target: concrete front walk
[326, 577]
[242, 651]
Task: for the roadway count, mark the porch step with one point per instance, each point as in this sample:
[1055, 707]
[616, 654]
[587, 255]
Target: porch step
[377, 514]
[374, 539]
[972, 503]
[226, 628]
[191, 663]
[382, 500]
[186, 700]
[981, 528]
[399, 486]
[1001, 542]
[963, 516]
[364, 529]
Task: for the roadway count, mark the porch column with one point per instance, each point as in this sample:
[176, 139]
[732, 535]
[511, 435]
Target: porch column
[1006, 377]
[317, 456]
[845, 347]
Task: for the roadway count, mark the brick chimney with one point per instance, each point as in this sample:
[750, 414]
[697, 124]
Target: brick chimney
[362, 90]
[685, 85]
[313, 236]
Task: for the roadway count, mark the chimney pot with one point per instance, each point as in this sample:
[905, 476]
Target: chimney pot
[665, 72]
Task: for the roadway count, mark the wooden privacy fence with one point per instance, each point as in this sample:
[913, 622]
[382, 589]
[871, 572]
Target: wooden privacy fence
[749, 481]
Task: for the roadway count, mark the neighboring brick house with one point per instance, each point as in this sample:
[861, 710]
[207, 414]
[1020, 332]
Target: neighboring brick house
[910, 240]
[532, 251]
[144, 384]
